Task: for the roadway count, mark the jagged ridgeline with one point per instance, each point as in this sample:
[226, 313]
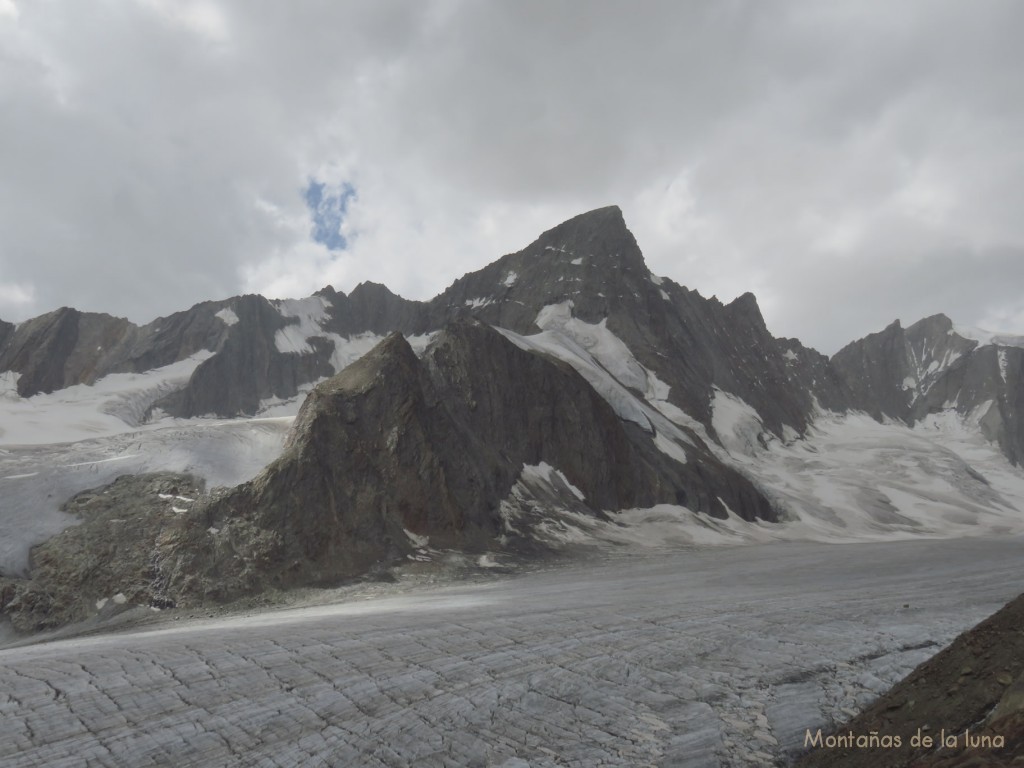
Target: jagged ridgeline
[256, 349]
[565, 378]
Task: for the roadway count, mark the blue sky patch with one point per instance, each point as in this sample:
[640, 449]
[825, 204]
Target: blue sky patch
[327, 207]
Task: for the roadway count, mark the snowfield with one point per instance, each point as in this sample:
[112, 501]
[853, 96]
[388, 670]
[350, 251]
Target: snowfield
[691, 657]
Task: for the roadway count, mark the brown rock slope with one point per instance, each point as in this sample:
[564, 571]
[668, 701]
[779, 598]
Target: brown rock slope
[973, 692]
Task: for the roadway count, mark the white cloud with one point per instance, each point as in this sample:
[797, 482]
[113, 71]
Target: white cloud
[833, 158]
[205, 19]
[16, 298]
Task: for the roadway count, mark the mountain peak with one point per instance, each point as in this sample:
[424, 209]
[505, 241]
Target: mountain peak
[368, 287]
[598, 238]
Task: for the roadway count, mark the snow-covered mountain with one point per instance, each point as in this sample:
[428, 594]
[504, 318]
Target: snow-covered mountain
[561, 395]
[934, 367]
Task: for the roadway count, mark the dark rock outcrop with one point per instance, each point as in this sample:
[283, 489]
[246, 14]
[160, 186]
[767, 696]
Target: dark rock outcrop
[813, 372]
[6, 332]
[63, 348]
[373, 308]
[248, 366]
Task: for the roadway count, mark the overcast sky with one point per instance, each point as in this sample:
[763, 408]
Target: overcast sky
[848, 162]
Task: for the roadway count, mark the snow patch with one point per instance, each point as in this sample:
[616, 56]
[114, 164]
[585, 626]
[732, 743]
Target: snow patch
[853, 479]
[736, 423]
[563, 347]
[476, 303]
[9, 385]
[228, 316]
[419, 343]
[292, 339]
[544, 472]
[348, 350]
[510, 279]
[607, 348]
[909, 383]
[790, 355]
[984, 337]
[420, 542]
[669, 448]
[655, 279]
[311, 313]
[610, 368]
[577, 261]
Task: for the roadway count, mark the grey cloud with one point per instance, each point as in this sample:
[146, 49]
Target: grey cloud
[846, 161]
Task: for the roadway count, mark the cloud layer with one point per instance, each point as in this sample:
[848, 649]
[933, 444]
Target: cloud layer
[850, 162]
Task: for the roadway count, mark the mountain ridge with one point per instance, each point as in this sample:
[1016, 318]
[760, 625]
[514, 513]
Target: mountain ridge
[521, 406]
[264, 350]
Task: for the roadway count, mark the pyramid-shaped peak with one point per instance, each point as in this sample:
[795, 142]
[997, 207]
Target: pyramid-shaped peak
[600, 221]
[939, 322]
[600, 236]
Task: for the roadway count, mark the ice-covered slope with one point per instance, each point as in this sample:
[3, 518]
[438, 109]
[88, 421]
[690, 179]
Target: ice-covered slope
[116, 403]
[849, 479]
[853, 478]
[688, 658]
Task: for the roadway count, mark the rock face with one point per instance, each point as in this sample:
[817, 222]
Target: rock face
[395, 448]
[106, 562]
[248, 366]
[691, 343]
[930, 367]
[64, 347]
